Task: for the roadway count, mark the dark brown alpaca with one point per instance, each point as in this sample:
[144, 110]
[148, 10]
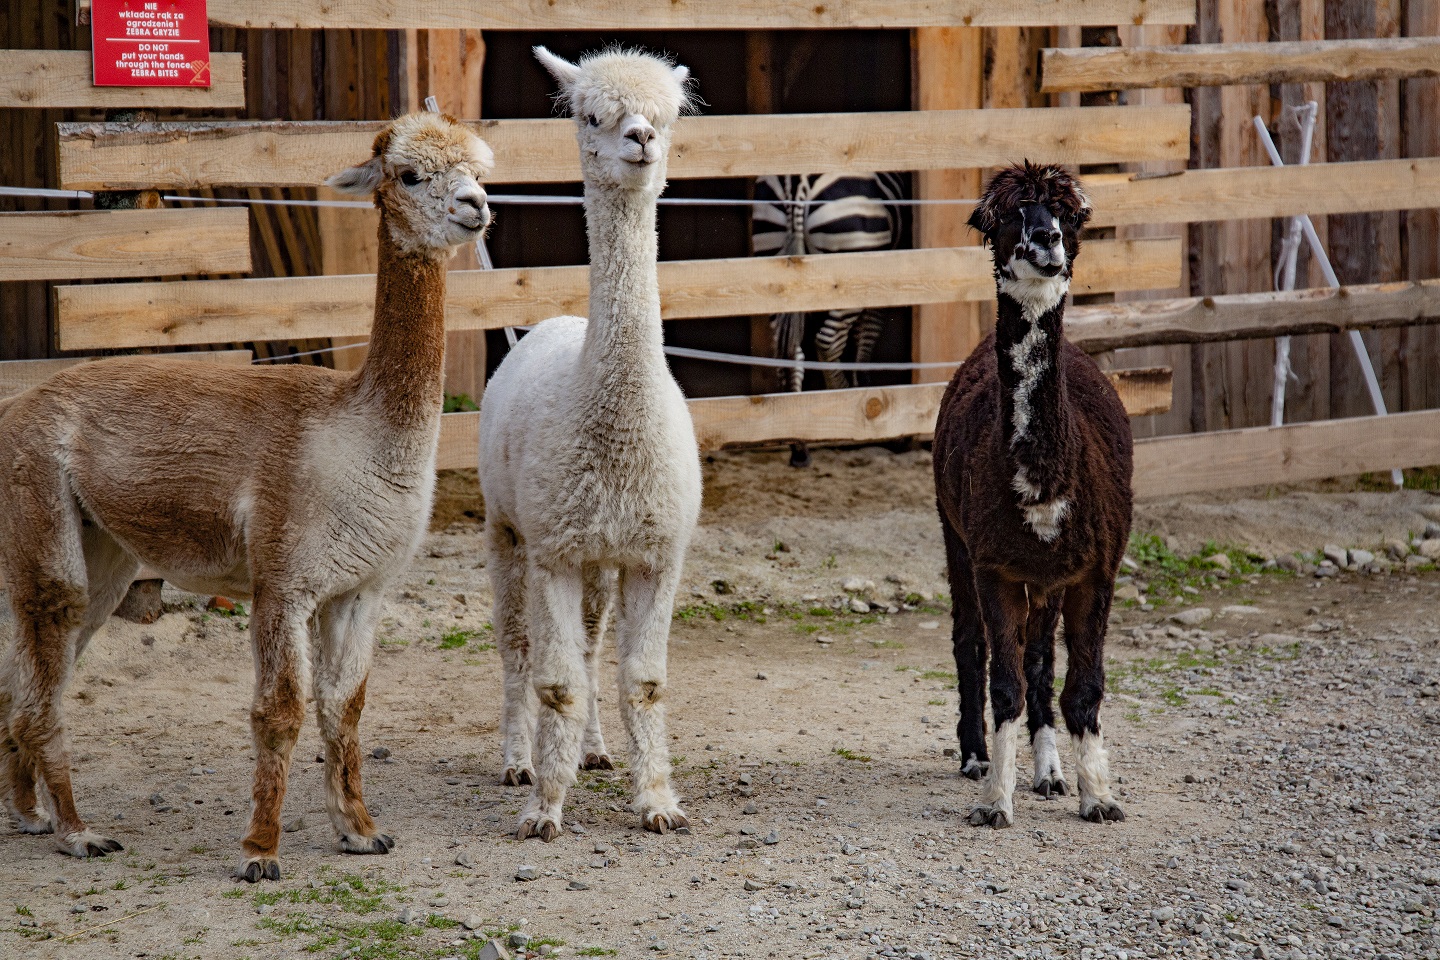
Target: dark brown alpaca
[1032, 478]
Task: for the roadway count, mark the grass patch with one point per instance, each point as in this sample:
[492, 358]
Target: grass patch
[596, 952]
[1168, 574]
[845, 753]
[459, 638]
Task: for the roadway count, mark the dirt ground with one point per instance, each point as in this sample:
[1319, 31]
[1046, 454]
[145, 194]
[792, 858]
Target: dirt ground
[1275, 759]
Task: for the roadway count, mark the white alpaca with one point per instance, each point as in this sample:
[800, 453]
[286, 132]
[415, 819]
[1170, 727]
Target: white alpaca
[589, 467]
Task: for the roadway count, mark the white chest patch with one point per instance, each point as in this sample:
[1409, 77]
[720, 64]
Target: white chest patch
[1036, 294]
[1045, 518]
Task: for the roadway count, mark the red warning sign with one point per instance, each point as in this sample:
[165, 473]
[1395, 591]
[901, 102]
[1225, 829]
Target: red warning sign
[150, 43]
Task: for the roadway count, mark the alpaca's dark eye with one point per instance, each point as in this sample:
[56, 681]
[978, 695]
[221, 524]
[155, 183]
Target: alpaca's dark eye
[410, 178]
[593, 122]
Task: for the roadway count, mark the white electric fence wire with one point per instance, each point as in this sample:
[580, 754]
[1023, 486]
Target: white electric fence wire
[1317, 249]
[1304, 118]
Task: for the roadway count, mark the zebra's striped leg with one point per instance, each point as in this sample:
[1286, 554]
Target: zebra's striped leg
[830, 344]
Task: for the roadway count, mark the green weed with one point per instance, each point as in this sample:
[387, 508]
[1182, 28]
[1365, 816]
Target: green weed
[847, 754]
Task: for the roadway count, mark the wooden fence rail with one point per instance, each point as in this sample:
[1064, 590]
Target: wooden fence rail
[64, 78]
[699, 15]
[111, 156]
[1245, 316]
[1225, 64]
[81, 244]
[128, 315]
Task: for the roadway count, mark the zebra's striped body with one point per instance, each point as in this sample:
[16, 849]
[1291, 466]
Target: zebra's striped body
[827, 213]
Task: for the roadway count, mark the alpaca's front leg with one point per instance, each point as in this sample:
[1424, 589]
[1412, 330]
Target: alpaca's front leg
[599, 594]
[1087, 614]
[558, 671]
[512, 635]
[1003, 608]
[646, 600]
[347, 642]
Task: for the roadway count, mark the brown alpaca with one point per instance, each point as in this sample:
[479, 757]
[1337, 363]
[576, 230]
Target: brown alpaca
[305, 489]
[1032, 478]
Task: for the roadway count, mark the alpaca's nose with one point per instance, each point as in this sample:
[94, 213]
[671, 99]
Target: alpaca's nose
[1042, 237]
[641, 133]
[474, 199]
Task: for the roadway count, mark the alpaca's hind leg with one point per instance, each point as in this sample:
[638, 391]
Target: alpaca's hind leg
[512, 636]
[1039, 696]
[599, 598]
[346, 642]
[968, 639]
[647, 597]
[556, 607]
[279, 629]
[1087, 614]
[1003, 608]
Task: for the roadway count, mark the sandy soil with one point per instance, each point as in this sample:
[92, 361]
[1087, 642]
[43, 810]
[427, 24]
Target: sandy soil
[1275, 763]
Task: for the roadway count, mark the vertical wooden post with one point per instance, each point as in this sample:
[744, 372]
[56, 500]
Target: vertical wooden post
[1421, 345]
[948, 75]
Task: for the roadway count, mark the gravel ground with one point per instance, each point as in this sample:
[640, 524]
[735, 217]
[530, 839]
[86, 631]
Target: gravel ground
[1274, 757]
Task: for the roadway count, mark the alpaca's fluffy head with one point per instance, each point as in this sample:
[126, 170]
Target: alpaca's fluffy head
[425, 173]
[1031, 216]
[624, 103]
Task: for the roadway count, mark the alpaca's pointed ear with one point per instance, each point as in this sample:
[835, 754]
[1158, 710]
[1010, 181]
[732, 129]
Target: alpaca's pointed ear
[363, 179]
[682, 73]
[982, 219]
[565, 73]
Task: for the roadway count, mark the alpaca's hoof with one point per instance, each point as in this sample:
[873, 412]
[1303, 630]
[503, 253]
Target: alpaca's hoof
[521, 777]
[1051, 786]
[258, 868]
[663, 821]
[988, 816]
[546, 828]
[87, 843]
[35, 825]
[975, 768]
[1106, 811]
[597, 761]
[380, 843]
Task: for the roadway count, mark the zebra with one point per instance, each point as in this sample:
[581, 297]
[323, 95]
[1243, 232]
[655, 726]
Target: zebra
[827, 213]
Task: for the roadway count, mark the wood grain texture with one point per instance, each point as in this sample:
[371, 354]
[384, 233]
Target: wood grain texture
[302, 154]
[17, 376]
[65, 78]
[860, 415]
[224, 311]
[1253, 315]
[1264, 456]
[81, 244]
[1223, 64]
[681, 15]
[1266, 192]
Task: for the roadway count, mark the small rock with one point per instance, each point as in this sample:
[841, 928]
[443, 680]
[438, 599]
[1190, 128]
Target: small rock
[1398, 549]
[772, 838]
[295, 825]
[1432, 531]
[577, 885]
[1163, 914]
[407, 915]
[860, 606]
[1359, 558]
[761, 676]
[1288, 561]
[1128, 565]
[463, 859]
[929, 625]
[1240, 610]
[857, 585]
[1334, 554]
[79, 908]
[750, 808]
[1415, 561]
[1192, 617]
[526, 873]
[753, 885]
[1430, 549]
[600, 848]
[1236, 884]
[1127, 592]
[518, 939]
[1218, 560]
[494, 950]
[473, 922]
[380, 753]
[1326, 569]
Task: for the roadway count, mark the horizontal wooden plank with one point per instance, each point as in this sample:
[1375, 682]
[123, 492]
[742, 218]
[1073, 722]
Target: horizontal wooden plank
[1251, 315]
[697, 15]
[860, 415]
[95, 317]
[1222, 64]
[81, 244]
[1265, 456]
[1264, 192]
[65, 78]
[111, 156]
[17, 376]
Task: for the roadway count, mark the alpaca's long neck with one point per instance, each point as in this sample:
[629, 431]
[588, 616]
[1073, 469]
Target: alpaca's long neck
[403, 374]
[1037, 421]
[624, 334]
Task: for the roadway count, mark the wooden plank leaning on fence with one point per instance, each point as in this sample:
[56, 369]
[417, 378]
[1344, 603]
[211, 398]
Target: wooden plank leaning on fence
[81, 244]
[64, 78]
[1224, 64]
[670, 15]
[1266, 456]
[17, 376]
[113, 316]
[858, 415]
[100, 156]
[1244, 316]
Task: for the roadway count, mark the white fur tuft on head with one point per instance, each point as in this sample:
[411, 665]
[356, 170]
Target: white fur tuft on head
[615, 82]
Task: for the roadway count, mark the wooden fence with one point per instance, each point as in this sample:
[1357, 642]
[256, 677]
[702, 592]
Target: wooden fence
[195, 155]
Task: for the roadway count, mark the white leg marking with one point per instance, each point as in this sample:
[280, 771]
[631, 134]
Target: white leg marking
[998, 796]
[1047, 759]
[1092, 772]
